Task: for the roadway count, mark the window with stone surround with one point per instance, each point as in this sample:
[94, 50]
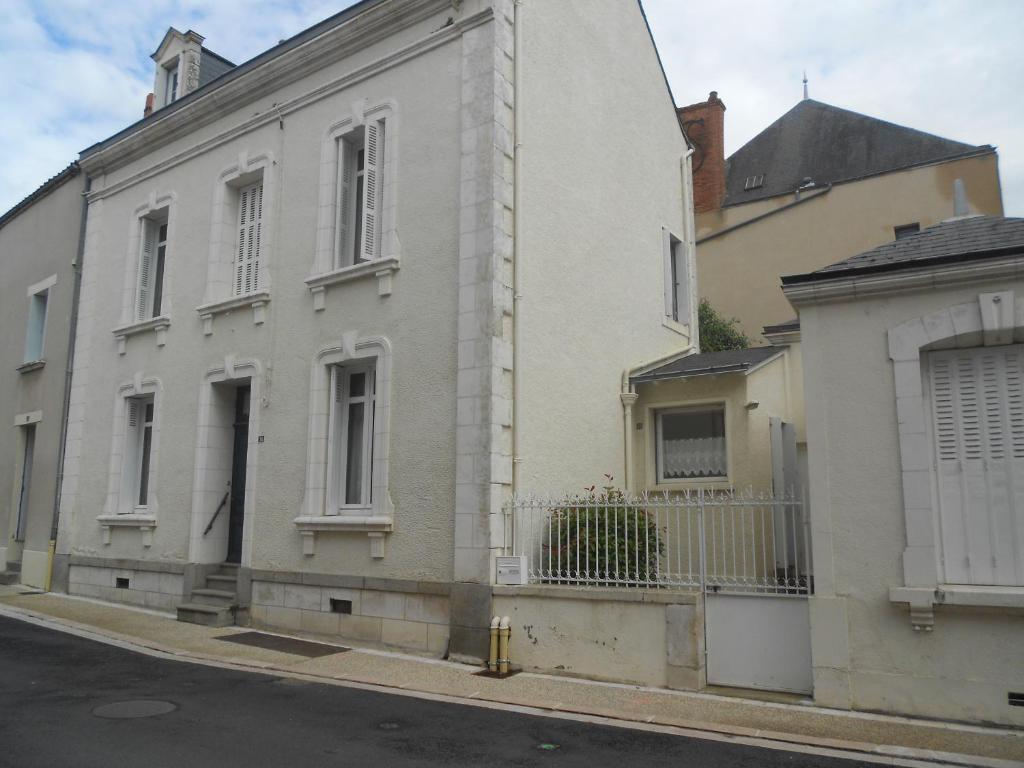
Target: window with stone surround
[152, 261]
[677, 279]
[138, 452]
[350, 435]
[357, 234]
[690, 444]
[977, 404]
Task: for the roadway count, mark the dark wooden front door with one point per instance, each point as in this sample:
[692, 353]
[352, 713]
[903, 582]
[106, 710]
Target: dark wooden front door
[239, 456]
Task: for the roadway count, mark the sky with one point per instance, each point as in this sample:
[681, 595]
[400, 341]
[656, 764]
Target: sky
[77, 71]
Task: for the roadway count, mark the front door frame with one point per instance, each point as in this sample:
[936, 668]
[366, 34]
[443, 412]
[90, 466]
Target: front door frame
[204, 497]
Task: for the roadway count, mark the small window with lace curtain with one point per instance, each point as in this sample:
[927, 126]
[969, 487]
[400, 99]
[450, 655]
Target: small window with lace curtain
[690, 444]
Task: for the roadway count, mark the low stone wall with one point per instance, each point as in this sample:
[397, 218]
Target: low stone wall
[650, 637]
[154, 585]
[409, 615]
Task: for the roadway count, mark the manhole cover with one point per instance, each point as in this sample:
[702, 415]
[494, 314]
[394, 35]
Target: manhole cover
[140, 708]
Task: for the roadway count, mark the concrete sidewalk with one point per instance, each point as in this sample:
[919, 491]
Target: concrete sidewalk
[718, 716]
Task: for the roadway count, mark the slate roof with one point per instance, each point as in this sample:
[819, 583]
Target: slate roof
[961, 239]
[42, 190]
[707, 363]
[830, 145]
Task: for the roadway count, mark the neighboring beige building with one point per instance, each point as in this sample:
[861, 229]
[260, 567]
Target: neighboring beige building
[914, 377]
[342, 300]
[820, 183]
[39, 249]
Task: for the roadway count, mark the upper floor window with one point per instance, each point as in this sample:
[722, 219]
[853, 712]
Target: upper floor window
[677, 279]
[906, 230]
[171, 88]
[152, 259]
[35, 332]
[360, 190]
[247, 250]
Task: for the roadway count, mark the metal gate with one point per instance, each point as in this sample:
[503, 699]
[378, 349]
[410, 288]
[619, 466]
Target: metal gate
[757, 630]
[748, 554]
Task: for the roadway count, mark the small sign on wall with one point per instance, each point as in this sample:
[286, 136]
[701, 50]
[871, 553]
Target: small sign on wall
[511, 570]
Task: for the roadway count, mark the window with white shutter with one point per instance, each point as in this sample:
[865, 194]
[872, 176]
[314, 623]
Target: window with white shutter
[35, 332]
[358, 200]
[152, 257]
[977, 399]
[350, 436]
[247, 251]
[138, 448]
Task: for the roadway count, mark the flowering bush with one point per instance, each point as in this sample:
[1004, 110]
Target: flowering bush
[602, 537]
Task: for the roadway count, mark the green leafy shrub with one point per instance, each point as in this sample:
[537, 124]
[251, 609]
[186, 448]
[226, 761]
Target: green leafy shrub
[594, 537]
[717, 333]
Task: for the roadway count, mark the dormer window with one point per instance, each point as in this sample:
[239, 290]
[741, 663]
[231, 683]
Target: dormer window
[172, 82]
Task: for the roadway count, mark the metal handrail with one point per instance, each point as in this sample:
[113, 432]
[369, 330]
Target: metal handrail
[219, 508]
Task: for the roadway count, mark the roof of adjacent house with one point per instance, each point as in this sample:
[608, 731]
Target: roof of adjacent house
[708, 363]
[961, 239]
[41, 191]
[828, 145]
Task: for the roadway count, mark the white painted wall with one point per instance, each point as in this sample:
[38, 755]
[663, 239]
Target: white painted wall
[866, 654]
[600, 177]
[418, 319]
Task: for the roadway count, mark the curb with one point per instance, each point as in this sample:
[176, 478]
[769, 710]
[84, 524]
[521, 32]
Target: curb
[876, 753]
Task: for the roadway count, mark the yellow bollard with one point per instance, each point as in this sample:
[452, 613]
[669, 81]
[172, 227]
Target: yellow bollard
[504, 630]
[492, 659]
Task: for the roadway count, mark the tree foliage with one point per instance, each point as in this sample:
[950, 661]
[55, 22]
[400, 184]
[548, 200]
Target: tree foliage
[717, 333]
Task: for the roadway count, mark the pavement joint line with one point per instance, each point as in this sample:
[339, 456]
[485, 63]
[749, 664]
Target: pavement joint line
[778, 741]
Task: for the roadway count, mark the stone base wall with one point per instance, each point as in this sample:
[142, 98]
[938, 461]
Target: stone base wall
[158, 586]
[402, 614]
[630, 636]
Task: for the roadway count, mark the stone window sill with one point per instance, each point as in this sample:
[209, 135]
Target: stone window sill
[676, 327]
[31, 365]
[382, 269]
[922, 600]
[158, 324]
[374, 526]
[257, 301]
[144, 521]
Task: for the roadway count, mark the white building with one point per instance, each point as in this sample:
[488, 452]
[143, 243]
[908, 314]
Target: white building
[914, 381]
[340, 300]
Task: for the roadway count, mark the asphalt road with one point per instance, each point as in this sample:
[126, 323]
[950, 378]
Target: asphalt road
[51, 682]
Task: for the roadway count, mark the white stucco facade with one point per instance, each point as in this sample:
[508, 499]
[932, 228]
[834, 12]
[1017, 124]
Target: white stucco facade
[461, 385]
[889, 632]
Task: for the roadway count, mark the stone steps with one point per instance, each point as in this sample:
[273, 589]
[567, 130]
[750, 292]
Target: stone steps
[9, 577]
[207, 615]
[214, 604]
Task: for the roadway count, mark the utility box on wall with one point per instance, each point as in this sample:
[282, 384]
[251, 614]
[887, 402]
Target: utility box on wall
[510, 570]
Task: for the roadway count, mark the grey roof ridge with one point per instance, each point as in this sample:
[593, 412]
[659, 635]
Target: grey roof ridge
[259, 59]
[981, 149]
[895, 266]
[833, 107]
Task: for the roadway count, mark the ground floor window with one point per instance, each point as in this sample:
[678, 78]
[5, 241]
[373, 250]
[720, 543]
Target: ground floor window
[690, 444]
[350, 437]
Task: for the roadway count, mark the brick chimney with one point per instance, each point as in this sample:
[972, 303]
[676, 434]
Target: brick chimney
[704, 124]
[149, 105]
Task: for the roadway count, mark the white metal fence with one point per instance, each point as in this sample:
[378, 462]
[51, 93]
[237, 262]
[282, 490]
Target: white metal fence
[751, 543]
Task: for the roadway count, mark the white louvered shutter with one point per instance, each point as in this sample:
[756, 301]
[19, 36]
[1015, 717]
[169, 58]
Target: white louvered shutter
[247, 259]
[343, 206]
[335, 441]
[147, 258]
[978, 410]
[372, 162]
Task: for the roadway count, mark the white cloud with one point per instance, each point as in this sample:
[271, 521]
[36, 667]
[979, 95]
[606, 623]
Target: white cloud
[950, 67]
[77, 71]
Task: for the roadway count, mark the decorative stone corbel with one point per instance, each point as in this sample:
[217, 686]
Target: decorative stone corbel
[997, 320]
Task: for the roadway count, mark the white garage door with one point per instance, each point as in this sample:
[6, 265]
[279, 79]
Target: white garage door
[978, 416]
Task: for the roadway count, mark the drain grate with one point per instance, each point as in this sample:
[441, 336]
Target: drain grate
[283, 644]
[127, 710]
